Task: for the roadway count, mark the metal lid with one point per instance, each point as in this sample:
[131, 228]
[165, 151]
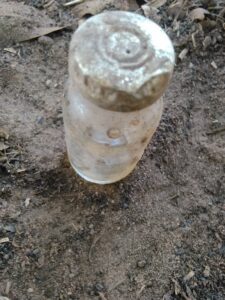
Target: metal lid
[121, 61]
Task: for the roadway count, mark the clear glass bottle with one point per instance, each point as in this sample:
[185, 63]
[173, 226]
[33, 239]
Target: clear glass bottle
[120, 64]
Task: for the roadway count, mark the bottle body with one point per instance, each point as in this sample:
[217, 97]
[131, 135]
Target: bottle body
[104, 146]
[119, 67]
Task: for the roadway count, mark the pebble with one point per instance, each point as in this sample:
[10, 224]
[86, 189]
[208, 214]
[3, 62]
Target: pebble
[141, 264]
[45, 40]
[206, 271]
[10, 228]
[27, 202]
[40, 120]
[183, 54]
[30, 290]
[48, 83]
[6, 257]
[99, 287]
[207, 42]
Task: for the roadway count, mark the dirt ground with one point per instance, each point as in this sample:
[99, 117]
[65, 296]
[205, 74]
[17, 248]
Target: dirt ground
[158, 234]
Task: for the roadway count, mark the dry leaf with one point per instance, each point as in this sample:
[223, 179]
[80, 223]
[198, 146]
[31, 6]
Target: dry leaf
[151, 12]
[156, 3]
[93, 7]
[198, 14]
[19, 22]
[175, 8]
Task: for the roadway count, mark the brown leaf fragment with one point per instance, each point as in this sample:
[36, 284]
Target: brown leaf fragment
[198, 14]
[93, 7]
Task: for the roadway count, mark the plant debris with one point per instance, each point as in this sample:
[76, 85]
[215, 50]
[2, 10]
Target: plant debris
[93, 7]
[19, 23]
[198, 14]
[4, 240]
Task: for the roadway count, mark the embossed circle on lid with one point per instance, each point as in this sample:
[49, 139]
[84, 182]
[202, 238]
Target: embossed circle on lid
[122, 61]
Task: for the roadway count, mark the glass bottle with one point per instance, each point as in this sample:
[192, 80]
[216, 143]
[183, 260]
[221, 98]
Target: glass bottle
[120, 64]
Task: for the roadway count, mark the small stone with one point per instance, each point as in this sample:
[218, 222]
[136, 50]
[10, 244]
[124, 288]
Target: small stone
[214, 65]
[141, 264]
[48, 83]
[10, 228]
[219, 37]
[40, 120]
[30, 290]
[6, 257]
[99, 287]
[183, 54]
[45, 40]
[206, 272]
[207, 42]
[27, 202]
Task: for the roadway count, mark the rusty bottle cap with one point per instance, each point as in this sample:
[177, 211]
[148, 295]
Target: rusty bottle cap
[121, 61]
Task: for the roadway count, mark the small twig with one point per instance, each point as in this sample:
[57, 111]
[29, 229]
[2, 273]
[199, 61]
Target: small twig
[93, 245]
[48, 4]
[7, 288]
[73, 2]
[116, 285]
[218, 130]
[179, 11]
[140, 291]
[193, 38]
[175, 196]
